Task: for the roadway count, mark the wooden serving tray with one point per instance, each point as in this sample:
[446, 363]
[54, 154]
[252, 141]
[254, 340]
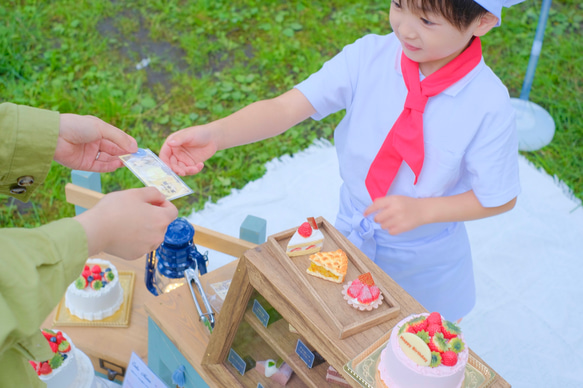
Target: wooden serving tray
[328, 295]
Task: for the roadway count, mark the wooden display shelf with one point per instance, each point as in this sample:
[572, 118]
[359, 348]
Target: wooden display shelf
[262, 270]
[282, 341]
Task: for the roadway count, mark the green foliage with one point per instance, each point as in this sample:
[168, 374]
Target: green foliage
[207, 59]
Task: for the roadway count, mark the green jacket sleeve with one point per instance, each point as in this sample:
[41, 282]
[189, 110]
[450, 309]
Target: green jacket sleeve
[29, 138]
[36, 265]
[36, 268]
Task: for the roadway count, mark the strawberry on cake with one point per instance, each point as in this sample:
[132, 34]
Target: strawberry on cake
[306, 240]
[68, 368]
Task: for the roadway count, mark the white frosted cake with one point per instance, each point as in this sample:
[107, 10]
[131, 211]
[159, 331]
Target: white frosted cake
[97, 293]
[308, 239]
[68, 368]
[424, 351]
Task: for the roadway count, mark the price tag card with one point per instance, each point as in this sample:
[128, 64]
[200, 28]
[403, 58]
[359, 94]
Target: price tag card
[138, 375]
[239, 363]
[260, 313]
[305, 354]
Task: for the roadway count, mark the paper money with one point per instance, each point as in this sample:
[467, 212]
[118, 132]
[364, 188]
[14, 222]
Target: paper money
[153, 172]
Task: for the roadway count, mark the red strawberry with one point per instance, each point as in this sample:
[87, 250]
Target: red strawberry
[33, 364]
[86, 273]
[449, 358]
[47, 334]
[60, 337]
[354, 289]
[365, 297]
[86, 268]
[450, 330]
[411, 329]
[64, 347]
[375, 292]
[97, 276]
[95, 269]
[432, 328]
[421, 325]
[54, 346]
[439, 341]
[434, 318]
[432, 346]
[305, 230]
[45, 369]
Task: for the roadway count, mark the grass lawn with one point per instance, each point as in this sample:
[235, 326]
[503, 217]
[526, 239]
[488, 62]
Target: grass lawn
[210, 58]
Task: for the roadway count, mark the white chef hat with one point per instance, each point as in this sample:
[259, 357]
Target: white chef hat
[495, 6]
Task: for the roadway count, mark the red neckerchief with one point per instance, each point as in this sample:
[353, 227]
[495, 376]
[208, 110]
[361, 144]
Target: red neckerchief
[405, 139]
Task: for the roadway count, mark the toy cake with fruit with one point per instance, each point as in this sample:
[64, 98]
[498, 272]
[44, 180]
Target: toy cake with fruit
[68, 368]
[97, 292]
[306, 240]
[424, 351]
[362, 293]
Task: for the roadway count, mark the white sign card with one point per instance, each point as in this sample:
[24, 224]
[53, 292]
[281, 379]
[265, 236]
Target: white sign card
[138, 375]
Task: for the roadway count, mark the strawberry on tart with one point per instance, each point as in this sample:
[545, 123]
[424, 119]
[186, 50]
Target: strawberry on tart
[362, 293]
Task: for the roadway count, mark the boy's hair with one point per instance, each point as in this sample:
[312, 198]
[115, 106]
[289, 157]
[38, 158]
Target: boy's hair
[460, 13]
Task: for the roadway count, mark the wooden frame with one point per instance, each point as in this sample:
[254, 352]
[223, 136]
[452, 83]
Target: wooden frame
[205, 237]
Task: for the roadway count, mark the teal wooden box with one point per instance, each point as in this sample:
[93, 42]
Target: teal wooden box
[164, 358]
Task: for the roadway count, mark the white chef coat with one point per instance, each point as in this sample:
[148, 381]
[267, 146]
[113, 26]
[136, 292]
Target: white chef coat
[470, 144]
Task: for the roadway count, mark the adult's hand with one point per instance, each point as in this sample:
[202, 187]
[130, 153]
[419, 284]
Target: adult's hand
[129, 223]
[90, 144]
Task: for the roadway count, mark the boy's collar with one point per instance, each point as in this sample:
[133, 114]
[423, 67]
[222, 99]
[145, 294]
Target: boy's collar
[454, 89]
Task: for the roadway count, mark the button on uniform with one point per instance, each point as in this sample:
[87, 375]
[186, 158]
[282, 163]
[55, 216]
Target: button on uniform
[16, 189]
[26, 180]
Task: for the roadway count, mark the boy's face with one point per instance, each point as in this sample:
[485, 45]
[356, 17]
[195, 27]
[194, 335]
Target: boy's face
[428, 38]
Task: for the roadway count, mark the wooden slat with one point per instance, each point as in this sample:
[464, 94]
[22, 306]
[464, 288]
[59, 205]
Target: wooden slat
[205, 237]
[81, 196]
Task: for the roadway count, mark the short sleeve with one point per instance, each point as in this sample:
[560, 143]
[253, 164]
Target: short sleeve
[492, 158]
[331, 88]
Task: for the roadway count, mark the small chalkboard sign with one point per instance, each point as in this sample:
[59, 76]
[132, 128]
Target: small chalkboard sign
[260, 313]
[238, 362]
[305, 354]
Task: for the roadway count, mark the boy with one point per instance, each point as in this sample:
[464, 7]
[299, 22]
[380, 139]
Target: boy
[428, 141]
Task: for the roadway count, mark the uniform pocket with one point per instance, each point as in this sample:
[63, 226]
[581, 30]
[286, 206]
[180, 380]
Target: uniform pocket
[440, 173]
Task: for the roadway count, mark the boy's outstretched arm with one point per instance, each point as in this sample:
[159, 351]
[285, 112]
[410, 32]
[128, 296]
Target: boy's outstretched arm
[186, 150]
[398, 213]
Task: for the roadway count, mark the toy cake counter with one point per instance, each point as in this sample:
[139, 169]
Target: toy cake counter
[276, 307]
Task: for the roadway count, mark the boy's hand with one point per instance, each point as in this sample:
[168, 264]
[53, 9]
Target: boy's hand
[186, 150]
[397, 213]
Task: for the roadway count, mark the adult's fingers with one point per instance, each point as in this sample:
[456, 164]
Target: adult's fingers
[116, 136]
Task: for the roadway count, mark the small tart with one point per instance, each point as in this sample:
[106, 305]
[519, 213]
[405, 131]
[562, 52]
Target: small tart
[356, 304]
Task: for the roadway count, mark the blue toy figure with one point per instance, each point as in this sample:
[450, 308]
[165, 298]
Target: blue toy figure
[165, 267]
